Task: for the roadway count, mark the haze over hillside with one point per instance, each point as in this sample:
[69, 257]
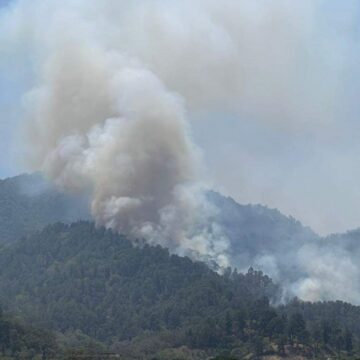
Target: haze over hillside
[109, 108]
[266, 117]
[100, 293]
[28, 203]
[293, 255]
[133, 119]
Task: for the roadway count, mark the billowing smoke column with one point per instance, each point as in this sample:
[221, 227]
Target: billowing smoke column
[101, 121]
[115, 84]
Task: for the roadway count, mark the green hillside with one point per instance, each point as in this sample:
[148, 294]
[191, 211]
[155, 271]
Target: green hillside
[142, 302]
[28, 203]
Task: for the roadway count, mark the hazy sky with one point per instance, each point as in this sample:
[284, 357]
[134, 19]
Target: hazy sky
[310, 172]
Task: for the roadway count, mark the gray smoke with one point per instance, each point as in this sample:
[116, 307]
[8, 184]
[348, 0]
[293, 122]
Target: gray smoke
[116, 83]
[100, 120]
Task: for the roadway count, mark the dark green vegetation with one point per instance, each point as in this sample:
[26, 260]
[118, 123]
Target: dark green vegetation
[18, 340]
[95, 294]
[99, 291]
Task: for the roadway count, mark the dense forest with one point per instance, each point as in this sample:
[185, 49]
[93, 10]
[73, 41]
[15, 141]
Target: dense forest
[96, 290]
[69, 290]
[21, 341]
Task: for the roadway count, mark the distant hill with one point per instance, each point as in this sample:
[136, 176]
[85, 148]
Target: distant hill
[94, 286]
[73, 276]
[257, 225]
[349, 241]
[260, 237]
[21, 341]
[255, 231]
[98, 291]
[28, 203]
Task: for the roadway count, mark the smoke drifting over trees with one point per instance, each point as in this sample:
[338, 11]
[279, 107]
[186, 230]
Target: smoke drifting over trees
[108, 114]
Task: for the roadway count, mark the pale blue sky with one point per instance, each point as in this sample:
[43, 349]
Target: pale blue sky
[4, 2]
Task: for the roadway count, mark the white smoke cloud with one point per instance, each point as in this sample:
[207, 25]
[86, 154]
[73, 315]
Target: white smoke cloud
[115, 82]
[100, 120]
[330, 272]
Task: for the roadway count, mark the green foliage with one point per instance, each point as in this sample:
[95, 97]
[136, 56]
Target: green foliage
[72, 277]
[20, 341]
[333, 323]
[102, 294]
[297, 329]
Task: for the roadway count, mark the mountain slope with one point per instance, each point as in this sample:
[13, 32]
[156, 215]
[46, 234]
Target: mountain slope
[28, 203]
[254, 230]
[280, 246]
[139, 301]
[21, 341]
[257, 236]
[258, 226]
[76, 276]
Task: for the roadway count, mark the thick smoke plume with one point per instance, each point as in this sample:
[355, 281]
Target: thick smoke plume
[101, 120]
[117, 81]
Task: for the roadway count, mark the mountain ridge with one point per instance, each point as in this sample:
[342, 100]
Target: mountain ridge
[97, 289]
[90, 283]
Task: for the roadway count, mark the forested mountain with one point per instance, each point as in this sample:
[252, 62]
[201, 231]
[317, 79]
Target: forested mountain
[74, 276]
[96, 292]
[142, 302]
[258, 226]
[28, 203]
[255, 231]
[349, 241]
[21, 341]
